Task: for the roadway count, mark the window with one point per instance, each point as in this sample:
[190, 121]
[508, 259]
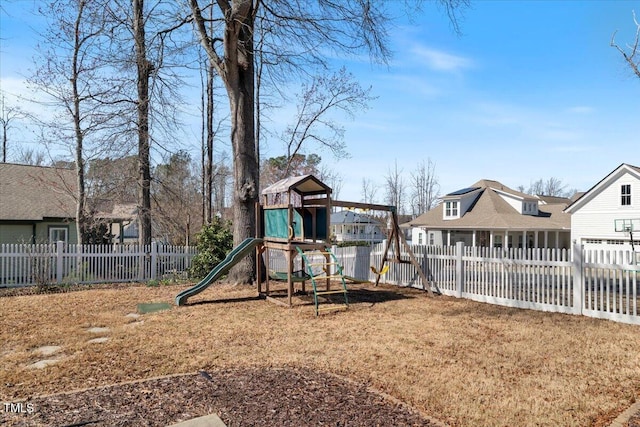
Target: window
[419, 238]
[431, 239]
[58, 234]
[625, 193]
[451, 209]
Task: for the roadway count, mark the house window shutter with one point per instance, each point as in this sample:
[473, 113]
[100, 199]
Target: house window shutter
[625, 195]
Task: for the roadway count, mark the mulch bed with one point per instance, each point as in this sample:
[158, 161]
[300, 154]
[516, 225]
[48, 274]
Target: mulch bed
[634, 421]
[247, 397]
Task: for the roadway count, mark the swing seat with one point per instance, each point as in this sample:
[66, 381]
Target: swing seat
[382, 272]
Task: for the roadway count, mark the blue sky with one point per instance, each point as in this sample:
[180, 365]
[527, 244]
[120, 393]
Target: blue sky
[529, 90]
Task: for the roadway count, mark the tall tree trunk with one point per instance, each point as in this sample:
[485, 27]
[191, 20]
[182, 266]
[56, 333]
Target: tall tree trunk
[144, 168]
[240, 87]
[236, 69]
[81, 218]
[209, 151]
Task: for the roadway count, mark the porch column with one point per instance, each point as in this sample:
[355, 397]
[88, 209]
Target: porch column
[473, 239]
[546, 239]
[505, 245]
[448, 237]
[557, 239]
[535, 239]
[524, 239]
[491, 239]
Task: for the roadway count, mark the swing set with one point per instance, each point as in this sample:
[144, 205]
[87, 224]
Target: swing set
[393, 242]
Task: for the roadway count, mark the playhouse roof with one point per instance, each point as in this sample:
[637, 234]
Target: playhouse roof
[305, 184]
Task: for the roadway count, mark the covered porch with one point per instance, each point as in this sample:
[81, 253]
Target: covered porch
[522, 239]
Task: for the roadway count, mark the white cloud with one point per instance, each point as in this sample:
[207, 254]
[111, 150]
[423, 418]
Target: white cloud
[415, 85]
[439, 60]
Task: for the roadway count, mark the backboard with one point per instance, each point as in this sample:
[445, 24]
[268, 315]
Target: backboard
[627, 225]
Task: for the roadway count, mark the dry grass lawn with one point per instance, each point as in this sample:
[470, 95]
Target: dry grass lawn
[464, 363]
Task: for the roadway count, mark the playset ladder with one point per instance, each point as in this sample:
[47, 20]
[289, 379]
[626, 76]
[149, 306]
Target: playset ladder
[329, 260]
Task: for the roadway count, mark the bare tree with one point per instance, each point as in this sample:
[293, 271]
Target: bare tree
[276, 168]
[144, 48]
[70, 72]
[332, 178]
[395, 188]
[301, 33]
[630, 55]
[549, 187]
[8, 115]
[234, 64]
[144, 70]
[424, 187]
[175, 199]
[314, 122]
[369, 190]
[555, 187]
[31, 156]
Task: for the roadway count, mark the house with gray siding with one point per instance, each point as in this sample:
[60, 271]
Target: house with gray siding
[37, 204]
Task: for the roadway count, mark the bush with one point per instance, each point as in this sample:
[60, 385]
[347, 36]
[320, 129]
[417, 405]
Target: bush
[215, 241]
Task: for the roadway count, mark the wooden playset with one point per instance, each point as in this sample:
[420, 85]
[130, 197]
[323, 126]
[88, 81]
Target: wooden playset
[294, 217]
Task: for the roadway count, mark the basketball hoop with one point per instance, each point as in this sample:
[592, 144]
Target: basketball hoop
[627, 226]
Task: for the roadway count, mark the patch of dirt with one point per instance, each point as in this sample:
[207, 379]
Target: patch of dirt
[242, 397]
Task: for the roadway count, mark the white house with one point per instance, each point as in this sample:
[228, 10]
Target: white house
[349, 226]
[615, 198]
[490, 214]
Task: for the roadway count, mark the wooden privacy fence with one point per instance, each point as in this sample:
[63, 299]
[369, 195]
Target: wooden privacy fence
[58, 263]
[602, 284]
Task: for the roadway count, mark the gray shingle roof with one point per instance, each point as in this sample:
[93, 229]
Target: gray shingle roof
[32, 193]
[491, 211]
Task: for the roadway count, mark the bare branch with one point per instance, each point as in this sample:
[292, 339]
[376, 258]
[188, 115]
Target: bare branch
[630, 57]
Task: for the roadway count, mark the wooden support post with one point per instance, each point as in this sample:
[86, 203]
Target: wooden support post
[384, 257]
[267, 268]
[327, 260]
[259, 251]
[416, 264]
[290, 255]
[396, 230]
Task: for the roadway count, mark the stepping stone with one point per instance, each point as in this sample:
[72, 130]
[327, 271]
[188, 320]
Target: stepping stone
[43, 363]
[137, 323]
[210, 420]
[152, 307]
[47, 350]
[97, 330]
[133, 315]
[98, 340]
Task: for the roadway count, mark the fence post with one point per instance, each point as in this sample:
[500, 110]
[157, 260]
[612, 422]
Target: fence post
[59, 249]
[154, 260]
[459, 269]
[578, 284]
[340, 257]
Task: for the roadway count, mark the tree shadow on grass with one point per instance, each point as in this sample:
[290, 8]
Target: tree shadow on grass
[226, 301]
[355, 296]
[368, 296]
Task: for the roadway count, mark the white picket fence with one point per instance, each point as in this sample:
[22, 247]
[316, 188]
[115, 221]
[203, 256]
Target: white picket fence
[599, 284]
[58, 263]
